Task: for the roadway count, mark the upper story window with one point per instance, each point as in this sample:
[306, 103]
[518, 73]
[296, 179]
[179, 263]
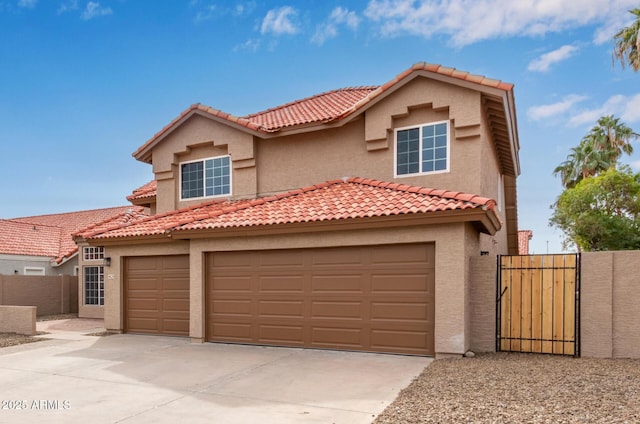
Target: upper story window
[422, 149]
[93, 253]
[205, 178]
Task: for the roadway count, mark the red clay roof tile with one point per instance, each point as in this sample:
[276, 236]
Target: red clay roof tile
[325, 107]
[147, 191]
[51, 235]
[332, 200]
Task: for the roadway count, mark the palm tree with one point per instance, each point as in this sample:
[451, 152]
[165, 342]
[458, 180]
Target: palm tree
[598, 151]
[627, 43]
[612, 136]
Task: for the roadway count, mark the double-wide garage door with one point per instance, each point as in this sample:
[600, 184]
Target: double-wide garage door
[378, 299]
[156, 290]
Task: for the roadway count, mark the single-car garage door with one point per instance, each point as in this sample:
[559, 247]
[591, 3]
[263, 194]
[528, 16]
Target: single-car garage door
[156, 290]
[372, 298]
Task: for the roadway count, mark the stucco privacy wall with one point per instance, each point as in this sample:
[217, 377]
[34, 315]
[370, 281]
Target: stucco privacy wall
[18, 319]
[50, 294]
[451, 274]
[482, 303]
[114, 275]
[609, 299]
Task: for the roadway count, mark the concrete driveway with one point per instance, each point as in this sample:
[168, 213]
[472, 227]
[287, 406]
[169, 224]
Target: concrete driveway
[149, 379]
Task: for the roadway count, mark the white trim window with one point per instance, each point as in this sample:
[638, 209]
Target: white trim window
[34, 270]
[205, 178]
[93, 283]
[422, 149]
[92, 253]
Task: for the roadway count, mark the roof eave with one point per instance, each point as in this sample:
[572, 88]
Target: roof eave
[143, 154]
[485, 220]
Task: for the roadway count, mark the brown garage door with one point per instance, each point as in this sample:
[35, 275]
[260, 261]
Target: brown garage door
[377, 298]
[157, 295]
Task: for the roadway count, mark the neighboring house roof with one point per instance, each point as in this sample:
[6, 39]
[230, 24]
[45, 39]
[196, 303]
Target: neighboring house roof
[143, 194]
[338, 105]
[52, 235]
[353, 198]
[523, 241]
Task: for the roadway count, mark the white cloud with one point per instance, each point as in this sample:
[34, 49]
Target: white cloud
[244, 8]
[93, 10]
[544, 62]
[537, 113]
[280, 21]
[209, 12]
[329, 28]
[470, 21]
[627, 108]
[29, 4]
[67, 6]
[251, 45]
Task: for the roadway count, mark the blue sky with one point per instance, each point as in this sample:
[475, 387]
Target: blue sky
[85, 83]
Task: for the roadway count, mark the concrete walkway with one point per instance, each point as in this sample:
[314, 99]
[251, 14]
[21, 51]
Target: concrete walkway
[152, 379]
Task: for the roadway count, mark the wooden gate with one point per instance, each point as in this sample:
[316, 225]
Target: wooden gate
[538, 304]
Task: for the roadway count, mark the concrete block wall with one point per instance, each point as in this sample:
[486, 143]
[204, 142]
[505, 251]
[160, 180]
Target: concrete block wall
[50, 294]
[18, 319]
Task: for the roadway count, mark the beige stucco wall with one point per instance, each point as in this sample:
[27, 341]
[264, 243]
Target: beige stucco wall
[609, 299]
[114, 275]
[482, 303]
[198, 138]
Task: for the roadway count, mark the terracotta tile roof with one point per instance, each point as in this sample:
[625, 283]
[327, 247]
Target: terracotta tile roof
[23, 238]
[322, 107]
[325, 107]
[51, 235]
[147, 191]
[523, 241]
[333, 200]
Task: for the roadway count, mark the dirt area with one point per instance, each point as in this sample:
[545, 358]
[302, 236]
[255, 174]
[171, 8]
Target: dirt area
[13, 339]
[513, 387]
[56, 317]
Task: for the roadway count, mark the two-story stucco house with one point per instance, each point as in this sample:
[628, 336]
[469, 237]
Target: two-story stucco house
[345, 220]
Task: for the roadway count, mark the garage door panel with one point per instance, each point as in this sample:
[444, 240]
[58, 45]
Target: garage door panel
[356, 298]
[281, 283]
[399, 340]
[157, 295]
[174, 283]
[394, 283]
[336, 259]
[231, 307]
[337, 309]
[400, 311]
[408, 254]
[240, 332]
[281, 308]
[235, 283]
[346, 338]
[337, 283]
[279, 259]
[290, 335]
[143, 284]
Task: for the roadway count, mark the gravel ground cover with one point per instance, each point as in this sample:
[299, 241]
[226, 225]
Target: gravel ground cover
[521, 388]
[13, 339]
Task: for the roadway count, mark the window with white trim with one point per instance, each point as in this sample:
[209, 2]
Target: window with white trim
[422, 149]
[93, 253]
[34, 270]
[93, 283]
[205, 178]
